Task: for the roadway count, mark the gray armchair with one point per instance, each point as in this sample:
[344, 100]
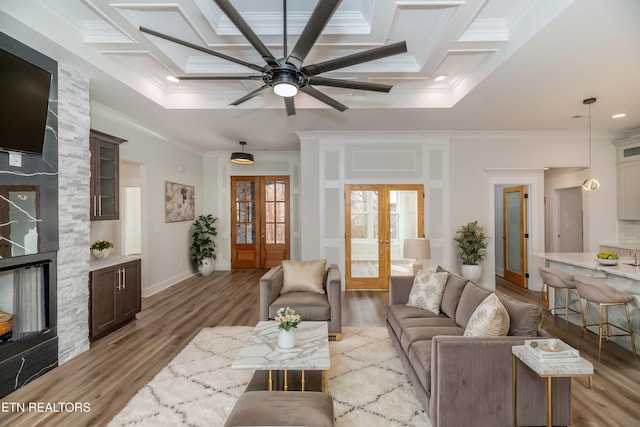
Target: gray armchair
[310, 305]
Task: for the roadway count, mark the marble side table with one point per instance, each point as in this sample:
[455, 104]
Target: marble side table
[548, 371]
[311, 353]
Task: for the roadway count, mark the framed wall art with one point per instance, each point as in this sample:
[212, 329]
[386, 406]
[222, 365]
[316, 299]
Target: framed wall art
[179, 200]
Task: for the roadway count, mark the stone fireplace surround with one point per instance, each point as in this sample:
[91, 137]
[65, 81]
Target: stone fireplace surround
[73, 213]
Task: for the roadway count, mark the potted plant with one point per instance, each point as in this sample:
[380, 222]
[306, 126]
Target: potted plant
[101, 248]
[472, 249]
[203, 248]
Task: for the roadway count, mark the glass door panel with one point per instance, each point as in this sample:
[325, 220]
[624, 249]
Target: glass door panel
[378, 219]
[515, 243]
[364, 234]
[403, 205]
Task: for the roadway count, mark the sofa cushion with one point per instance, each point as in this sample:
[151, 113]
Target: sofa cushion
[303, 276]
[419, 356]
[427, 289]
[525, 317]
[398, 314]
[471, 297]
[489, 319]
[311, 306]
[452, 293]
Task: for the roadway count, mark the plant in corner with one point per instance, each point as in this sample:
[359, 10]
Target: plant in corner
[472, 248]
[203, 248]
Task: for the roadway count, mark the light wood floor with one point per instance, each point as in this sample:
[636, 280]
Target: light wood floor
[115, 367]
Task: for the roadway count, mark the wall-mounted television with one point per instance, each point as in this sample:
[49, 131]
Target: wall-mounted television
[24, 104]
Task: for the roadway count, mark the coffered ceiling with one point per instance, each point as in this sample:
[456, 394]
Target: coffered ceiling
[509, 64]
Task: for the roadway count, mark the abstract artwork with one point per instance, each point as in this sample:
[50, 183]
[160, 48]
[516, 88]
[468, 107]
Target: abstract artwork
[179, 202]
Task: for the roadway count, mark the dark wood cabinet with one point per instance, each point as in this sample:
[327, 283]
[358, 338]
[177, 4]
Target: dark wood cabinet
[114, 297]
[104, 176]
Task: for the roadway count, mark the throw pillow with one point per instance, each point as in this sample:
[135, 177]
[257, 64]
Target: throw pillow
[426, 292]
[490, 319]
[303, 276]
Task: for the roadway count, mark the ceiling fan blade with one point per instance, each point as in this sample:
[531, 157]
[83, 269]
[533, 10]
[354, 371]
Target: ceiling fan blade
[250, 95]
[324, 98]
[349, 84]
[235, 17]
[219, 77]
[317, 21]
[291, 105]
[202, 49]
[356, 58]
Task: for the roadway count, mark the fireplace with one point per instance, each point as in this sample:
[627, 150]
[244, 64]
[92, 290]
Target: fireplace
[28, 339]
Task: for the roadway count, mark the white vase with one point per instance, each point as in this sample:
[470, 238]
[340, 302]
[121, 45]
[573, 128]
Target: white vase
[100, 253]
[206, 268]
[287, 339]
[471, 272]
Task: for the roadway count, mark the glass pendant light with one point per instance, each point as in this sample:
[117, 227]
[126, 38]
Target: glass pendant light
[590, 184]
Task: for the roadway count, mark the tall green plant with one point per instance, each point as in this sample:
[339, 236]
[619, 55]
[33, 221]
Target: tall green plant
[472, 243]
[202, 244]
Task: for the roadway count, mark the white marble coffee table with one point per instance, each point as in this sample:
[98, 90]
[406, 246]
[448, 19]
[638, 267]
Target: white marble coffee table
[311, 353]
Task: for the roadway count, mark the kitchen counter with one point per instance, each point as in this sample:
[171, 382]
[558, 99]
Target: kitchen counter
[622, 277]
[588, 261]
[97, 264]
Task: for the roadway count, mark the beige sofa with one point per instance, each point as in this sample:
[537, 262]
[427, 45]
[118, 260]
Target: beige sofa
[464, 381]
[311, 306]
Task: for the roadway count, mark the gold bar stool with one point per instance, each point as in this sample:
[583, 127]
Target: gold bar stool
[594, 290]
[560, 280]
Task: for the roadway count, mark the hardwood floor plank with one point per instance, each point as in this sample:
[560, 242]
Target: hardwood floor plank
[118, 365]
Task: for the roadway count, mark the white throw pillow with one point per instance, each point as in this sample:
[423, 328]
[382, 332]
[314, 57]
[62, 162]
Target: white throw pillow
[489, 319]
[426, 292]
[303, 276]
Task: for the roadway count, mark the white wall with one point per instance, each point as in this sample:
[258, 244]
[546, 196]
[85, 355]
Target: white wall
[165, 246]
[479, 161]
[330, 160]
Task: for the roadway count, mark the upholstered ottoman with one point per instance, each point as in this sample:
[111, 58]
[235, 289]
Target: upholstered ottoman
[282, 408]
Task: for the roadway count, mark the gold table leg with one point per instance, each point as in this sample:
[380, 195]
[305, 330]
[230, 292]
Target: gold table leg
[302, 382]
[514, 384]
[549, 407]
[270, 380]
[286, 383]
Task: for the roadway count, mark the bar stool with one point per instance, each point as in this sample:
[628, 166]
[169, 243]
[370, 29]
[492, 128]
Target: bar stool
[594, 290]
[560, 280]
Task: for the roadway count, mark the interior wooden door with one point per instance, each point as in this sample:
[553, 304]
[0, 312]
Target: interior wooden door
[515, 235]
[260, 221]
[378, 217]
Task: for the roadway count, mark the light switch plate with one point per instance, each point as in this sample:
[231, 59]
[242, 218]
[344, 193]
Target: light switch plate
[15, 159]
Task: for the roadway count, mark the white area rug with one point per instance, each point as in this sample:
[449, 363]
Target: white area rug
[199, 388]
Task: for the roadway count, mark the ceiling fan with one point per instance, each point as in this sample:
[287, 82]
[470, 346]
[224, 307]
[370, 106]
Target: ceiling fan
[287, 75]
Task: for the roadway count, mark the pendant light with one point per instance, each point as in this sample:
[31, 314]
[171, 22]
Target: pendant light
[240, 157]
[590, 184]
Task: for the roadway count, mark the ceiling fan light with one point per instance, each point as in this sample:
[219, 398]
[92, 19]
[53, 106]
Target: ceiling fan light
[173, 79]
[285, 89]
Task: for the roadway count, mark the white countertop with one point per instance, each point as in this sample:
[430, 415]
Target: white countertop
[110, 261]
[588, 260]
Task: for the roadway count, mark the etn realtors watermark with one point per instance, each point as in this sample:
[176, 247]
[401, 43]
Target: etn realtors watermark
[45, 407]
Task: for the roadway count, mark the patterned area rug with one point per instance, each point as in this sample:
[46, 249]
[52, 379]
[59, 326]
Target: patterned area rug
[199, 388]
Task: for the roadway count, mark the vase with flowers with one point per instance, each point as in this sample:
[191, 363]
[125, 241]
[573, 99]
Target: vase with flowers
[288, 320]
[101, 248]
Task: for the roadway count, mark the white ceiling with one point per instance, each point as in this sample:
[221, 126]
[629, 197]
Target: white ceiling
[510, 64]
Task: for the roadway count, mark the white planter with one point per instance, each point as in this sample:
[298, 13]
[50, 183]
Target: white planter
[206, 268]
[100, 253]
[471, 272]
[287, 339]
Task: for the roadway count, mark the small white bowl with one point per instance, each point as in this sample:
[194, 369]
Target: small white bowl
[604, 261]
